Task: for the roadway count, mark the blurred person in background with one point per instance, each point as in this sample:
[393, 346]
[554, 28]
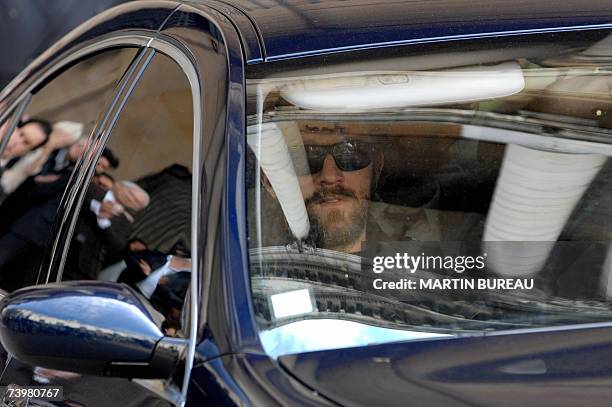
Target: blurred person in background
[30, 147]
[28, 135]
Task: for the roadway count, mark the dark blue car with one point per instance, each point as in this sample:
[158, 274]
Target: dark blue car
[311, 203]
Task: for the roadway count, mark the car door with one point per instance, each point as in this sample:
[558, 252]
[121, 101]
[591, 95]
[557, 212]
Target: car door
[128, 217]
[454, 204]
[162, 106]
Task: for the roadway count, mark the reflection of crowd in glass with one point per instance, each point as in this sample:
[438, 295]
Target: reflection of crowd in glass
[162, 278]
[35, 168]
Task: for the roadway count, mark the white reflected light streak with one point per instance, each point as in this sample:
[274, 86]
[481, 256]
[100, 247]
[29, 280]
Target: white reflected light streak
[324, 334]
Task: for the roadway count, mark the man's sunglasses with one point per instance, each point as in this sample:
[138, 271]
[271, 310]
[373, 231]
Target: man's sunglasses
[349, 155]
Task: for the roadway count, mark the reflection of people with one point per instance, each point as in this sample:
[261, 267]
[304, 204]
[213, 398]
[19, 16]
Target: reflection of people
[28, 219]
[32, 162]
[166, 286]
[94, 239]
[344, 173]
[139, 262]
[104, 180]
[107, 161]
[28, 135]
[174, 264]
[124, 194]
[65, 157]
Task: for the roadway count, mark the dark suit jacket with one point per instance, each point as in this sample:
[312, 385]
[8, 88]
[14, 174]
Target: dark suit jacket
[36, 224]
[92, 248]
[133, 274]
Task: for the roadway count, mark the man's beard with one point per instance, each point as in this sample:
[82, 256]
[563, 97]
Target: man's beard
[336, 228]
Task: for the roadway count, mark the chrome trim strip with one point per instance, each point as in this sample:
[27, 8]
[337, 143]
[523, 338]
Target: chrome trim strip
[188, 65]
[428, 40]
[20, 85]
[71, 203]
[86, 166]
[23, 105]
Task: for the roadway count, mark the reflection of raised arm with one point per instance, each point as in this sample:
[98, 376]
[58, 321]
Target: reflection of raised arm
[123, 195]
[63, 135]
[180, 263]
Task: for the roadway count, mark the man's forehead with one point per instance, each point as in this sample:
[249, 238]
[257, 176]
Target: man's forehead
[32, 129]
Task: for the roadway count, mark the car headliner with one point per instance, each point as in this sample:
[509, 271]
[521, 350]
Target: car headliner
[293, 28]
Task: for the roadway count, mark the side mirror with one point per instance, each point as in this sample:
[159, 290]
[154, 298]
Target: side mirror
[89, 327]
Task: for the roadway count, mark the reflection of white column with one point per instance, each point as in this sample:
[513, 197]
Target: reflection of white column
[271, 151]
[535, 194]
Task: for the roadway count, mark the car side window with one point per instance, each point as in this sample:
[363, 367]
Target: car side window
[400, 202]
[40, 155]
[134, 225]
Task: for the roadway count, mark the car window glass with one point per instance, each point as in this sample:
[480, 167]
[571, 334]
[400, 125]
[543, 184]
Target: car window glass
[5, 127]
[426, 196]
[40, 155]
[134, 226]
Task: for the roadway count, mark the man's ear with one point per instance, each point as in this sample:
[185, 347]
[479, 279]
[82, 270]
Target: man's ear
[265, 182]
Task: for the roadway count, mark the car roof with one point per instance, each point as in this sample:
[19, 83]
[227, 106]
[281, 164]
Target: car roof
[295, 28]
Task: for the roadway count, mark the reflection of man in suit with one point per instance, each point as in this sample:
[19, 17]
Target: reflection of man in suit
[30, 233]
[29, 213]
[94, 239]
[104, 181]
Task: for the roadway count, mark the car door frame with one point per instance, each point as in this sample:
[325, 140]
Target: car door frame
[87, 41]
[72, 200]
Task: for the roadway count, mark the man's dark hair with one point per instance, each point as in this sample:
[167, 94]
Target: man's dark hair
[137, 239]
[112, 158]
[180, 249]
[107, 175]
[43, 124]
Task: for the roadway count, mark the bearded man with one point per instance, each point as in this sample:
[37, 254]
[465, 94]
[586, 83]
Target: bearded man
[344, 173]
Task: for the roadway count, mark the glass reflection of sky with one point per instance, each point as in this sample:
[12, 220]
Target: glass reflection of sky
[101, 313]
[322, 334]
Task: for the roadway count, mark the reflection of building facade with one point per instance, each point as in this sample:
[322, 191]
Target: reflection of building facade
[342, 289]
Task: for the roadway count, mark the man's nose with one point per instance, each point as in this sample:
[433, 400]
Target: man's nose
[330, 173]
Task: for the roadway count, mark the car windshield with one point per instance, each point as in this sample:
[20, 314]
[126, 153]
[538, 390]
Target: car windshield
[431, 195]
